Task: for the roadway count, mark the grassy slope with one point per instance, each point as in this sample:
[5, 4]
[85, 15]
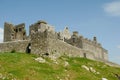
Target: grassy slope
[23, 67]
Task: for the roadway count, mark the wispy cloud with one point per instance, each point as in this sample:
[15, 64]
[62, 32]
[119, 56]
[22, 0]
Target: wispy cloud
[1, 35]
[112, 8]
[118, 46]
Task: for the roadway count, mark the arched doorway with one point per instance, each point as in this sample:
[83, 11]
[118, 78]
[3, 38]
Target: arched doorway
[84, 54]
[28, 49]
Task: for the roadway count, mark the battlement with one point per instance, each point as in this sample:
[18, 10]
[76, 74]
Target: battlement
[75, 39]
[92, 42]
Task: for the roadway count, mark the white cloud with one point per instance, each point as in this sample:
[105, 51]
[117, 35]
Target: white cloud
[1, 35]
[118, 46]
[112, 8]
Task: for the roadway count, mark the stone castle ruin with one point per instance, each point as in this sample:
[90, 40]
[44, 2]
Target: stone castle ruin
[14, 32]
[44, 40]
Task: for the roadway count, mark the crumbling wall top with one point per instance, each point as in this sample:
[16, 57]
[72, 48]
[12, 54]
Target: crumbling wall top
[20, 25]
[75, 33]
[42, 21]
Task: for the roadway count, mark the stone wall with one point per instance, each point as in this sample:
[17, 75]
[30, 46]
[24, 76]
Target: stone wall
[39, 43]
[20, 33]
[8, 31]
[48, 42]
[40, 26]
[14, 32]
[95, 48]
[58, 46]
[91, 46]
[18, 46]
[105, 53]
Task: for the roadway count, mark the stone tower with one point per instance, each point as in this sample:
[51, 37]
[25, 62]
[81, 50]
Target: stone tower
[40, 33]
[14, 32]
[40, 26]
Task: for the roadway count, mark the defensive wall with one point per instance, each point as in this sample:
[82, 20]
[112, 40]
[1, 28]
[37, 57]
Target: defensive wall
[43, 39]
[47, 42]
[19, 46]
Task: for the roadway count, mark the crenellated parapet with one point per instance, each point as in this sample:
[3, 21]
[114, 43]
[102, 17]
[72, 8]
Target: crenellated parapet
[76, 37]
[88, 45]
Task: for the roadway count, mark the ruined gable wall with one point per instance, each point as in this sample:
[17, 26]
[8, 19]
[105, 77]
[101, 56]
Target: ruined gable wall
[18, 46]
[21, 33]
[66, 33]
[8, 31]
[13, 33]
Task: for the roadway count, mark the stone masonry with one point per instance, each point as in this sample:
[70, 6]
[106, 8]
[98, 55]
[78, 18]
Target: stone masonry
[44, 40]
[14, 32]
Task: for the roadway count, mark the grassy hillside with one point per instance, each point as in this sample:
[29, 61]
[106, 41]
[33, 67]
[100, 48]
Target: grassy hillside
[20, 66]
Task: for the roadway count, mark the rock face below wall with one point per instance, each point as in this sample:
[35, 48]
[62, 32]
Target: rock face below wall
[19, 46]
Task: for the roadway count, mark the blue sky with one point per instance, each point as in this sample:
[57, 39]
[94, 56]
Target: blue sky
[100, 18]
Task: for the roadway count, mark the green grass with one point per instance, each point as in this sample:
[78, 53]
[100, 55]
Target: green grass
[21, 66]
